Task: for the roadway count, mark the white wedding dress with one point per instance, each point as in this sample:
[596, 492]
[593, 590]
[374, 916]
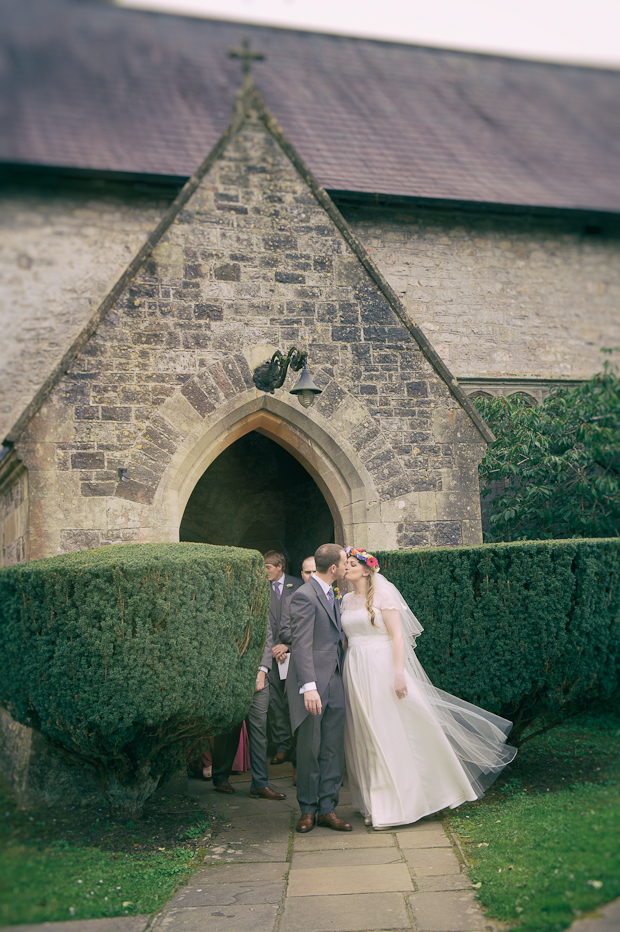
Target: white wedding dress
[407, 758]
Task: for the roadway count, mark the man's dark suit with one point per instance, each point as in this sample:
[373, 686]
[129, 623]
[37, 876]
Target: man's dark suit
[225, 746]
[278, 706]
[317, 655]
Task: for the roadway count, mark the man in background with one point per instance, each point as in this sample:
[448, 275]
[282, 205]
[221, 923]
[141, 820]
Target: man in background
[282, 588]
[308, 567]
[225, 746]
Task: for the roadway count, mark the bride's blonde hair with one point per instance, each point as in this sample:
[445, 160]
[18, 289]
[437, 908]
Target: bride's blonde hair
[372, 564]
[370, 595]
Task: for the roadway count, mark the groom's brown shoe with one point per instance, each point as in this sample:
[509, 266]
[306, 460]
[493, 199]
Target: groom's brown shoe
[331, 820]
[305, 824]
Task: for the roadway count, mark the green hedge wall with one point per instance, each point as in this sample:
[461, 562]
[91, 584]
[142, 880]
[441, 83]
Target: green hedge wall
[125, 656]
[529, 629]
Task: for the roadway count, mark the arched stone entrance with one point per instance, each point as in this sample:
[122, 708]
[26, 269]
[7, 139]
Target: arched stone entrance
[322, 449]
[255, 494]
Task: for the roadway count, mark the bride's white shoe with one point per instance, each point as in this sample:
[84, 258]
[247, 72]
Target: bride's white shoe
[368, 820]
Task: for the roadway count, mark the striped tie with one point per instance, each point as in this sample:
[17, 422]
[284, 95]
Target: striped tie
[276, 589]
[330, 596]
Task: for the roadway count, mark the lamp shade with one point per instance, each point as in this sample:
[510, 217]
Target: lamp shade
[305, 389]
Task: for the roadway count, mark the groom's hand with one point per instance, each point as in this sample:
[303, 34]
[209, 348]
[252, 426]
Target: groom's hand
[312, 702]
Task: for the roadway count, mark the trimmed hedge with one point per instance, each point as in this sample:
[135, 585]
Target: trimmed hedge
[124, 657]
[530, 630]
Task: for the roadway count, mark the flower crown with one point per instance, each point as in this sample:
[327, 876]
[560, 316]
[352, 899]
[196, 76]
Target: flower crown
[371, 562]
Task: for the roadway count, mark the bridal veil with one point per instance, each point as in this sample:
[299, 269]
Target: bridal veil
[477, 737]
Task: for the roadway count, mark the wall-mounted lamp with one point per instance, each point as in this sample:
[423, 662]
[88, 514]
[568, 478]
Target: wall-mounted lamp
[305, 389]
[272, 373]
[122, 474]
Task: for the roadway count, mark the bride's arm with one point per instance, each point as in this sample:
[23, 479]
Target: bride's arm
[391, 617]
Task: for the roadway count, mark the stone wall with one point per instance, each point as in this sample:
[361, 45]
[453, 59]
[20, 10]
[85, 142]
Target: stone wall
[251, 263]
[13, 513]
[61, 248]
[37, 773]
[502, 295]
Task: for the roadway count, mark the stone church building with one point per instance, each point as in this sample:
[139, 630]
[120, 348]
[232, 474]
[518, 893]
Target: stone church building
[426, 225]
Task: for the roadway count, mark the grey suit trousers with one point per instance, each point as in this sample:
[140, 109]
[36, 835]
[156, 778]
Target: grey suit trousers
[320, 752]
[226, 746]
[279, 715]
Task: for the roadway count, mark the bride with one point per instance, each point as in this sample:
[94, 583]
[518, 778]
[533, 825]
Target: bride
[411, 749]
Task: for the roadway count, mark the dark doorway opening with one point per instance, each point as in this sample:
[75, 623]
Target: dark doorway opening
[257, 495]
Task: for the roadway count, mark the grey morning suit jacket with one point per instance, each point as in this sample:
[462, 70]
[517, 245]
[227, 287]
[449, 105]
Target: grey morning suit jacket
[316, 646]
[278, 608]
[267, 655]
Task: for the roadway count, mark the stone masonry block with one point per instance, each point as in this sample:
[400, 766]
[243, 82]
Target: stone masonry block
[197, 398]
[446, 534]
[71, 540]
[87, 461]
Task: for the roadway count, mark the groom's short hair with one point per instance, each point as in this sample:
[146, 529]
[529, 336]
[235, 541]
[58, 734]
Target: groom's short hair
[327, 555]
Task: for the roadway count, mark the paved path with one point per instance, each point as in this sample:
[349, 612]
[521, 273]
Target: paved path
[260, 875]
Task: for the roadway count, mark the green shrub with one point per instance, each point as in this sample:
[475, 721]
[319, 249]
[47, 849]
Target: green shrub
[530, 630]
[124, 657]
[557, 464]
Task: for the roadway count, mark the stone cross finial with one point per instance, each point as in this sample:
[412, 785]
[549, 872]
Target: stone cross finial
[246, 56]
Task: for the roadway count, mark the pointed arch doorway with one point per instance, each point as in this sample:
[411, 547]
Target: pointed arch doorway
[255, 494]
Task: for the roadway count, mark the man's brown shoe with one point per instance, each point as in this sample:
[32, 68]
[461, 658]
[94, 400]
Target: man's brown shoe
[305, 823]
[267, 793]
[278, 758]
[331, 820]
[224, 787]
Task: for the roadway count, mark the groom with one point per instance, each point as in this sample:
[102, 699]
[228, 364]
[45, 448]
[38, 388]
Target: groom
[315, 691]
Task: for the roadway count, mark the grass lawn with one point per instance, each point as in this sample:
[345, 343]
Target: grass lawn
[544, 844]
[81, 864]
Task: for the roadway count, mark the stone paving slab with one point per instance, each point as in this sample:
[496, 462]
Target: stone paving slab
[116, 924]
[422, 825]
[240, 803]
[219, 919]
[230, 894]
[325, 839]
[348, 858]
[437, 883]
[376, 911]
[326, 881]
[429, 861]
[238, 873]
[254, 852]
[430, 838]
[605, 919]
[258, 829]
[455, 911]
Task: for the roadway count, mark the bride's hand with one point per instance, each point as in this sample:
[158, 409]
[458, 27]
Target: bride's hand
[400, 686]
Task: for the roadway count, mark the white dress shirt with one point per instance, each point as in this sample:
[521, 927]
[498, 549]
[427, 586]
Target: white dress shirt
[325, 587]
